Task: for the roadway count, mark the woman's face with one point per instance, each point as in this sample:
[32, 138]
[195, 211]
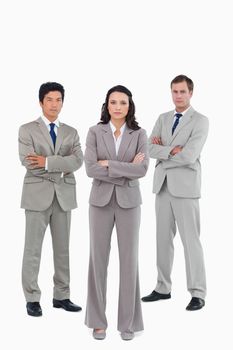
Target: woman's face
[118, 105]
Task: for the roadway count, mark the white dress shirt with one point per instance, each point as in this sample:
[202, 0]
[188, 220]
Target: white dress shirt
[183, 113]
[47, 122]
[118, 140]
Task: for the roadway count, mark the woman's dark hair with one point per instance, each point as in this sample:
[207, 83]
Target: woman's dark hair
[130, 118]
[50, 86]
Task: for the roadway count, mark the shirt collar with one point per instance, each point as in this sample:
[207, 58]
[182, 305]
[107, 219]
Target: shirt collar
[113, 128]
[183, 113]
[47, 122]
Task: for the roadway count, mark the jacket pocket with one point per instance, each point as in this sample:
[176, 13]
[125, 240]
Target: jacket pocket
[31, 180]
[70, 180]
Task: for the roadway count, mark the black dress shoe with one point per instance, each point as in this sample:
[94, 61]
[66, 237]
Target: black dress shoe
[66, 304]
[34, 309]
[154, 296]
[195, 304]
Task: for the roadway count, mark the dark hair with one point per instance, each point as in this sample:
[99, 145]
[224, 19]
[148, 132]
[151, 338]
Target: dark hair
[50, 86]
[180, 78]
[130, 118]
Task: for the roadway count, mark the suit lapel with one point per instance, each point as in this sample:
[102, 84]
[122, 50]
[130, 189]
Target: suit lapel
[125, 142]
[60, 137]
[184, 121]
[45, 132]
[170, 121]
[109, 141]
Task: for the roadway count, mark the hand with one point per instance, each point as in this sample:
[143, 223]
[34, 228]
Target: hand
[36, 161]
[176, 150]
[103, 163]
[156, 141]
[138, 158]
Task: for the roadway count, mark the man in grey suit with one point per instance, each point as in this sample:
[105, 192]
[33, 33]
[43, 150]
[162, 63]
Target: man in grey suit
[51, 152]
[176, 142]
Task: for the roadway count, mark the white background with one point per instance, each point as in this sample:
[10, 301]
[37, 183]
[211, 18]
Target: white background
[90, 46]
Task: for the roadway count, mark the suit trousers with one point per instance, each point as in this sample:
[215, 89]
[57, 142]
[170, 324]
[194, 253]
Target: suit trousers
[183, 212]
[127, 221]
[36, 224]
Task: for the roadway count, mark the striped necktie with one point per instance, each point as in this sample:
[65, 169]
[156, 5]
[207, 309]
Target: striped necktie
[52, 133]
[176, 122]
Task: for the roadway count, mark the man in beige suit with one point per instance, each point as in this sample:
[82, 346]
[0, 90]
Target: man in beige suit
[51, 152]
[176, 142]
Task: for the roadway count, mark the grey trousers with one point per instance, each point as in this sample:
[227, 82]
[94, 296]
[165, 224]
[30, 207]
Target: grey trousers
[36, 224]
[184, 212]
[127, 221]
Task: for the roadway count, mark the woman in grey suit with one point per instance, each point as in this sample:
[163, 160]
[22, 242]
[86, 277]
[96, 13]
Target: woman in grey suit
[116, 156]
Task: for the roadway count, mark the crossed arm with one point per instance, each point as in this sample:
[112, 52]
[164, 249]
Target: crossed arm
[157, 141]
[179, 155]
[114, 171]
[56, 163]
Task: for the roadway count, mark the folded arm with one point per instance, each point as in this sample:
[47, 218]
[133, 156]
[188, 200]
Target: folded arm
[139, 165]
[26, 147]
[55, 164]
[93, 168]
[157, 150]
[69, 163]
[190, 152]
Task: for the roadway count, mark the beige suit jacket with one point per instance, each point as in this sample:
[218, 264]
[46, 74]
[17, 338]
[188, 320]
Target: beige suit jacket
[121, 172]
[40, 185]
[183, 170]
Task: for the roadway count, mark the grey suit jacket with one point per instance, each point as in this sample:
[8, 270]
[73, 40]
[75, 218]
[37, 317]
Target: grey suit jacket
[40, 184]
[183, 170]
[121, 173]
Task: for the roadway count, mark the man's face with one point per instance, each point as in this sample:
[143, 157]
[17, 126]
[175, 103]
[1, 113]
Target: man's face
[181, 96]
[52, 105]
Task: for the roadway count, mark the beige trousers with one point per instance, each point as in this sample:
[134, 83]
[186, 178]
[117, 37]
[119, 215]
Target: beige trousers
[184, 213]
[36, 224]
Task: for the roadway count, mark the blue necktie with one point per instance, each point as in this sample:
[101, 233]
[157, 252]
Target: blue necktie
[52, 133]
[176, 122]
